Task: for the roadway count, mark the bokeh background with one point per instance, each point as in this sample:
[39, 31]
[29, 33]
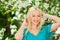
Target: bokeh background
[13, 12]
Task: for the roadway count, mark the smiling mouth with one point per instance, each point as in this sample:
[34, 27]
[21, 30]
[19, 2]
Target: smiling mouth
[36, 21]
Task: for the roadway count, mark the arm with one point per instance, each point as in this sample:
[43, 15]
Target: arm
[19, 34]
[55, 18]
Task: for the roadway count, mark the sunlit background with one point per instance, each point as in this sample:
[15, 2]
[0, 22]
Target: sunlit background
[12, 13]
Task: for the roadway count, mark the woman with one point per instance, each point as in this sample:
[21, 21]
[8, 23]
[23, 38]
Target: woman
[32, 29]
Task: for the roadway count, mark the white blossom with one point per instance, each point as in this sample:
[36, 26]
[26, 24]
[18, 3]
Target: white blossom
[1, 35]
[43, 21]
[2, 32]
[13, 30]
[0, 38]
[7, 38]
[57, 8]
[19, 16]
[46, 5]
[59, 13]
[37, 3]
[57, 4]
[17, 13]
[24, 3]
[24, 16]
[2, 0]
[14, 17]
[12, 12]
[25, 10]
[58, 31]
[30, 1]
[3, 29]
[52, 9]
[13, 26]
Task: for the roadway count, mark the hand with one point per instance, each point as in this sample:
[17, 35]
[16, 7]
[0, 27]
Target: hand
[44, 15]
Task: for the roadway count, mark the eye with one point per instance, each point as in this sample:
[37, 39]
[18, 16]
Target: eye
[38, 15]
[33, 15]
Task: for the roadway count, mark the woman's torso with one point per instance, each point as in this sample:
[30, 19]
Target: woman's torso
[43, 34]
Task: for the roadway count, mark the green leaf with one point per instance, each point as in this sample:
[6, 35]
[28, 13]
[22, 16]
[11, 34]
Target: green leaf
[9, 19]
[6, 12]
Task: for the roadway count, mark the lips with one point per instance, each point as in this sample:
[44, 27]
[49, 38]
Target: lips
[36, 21]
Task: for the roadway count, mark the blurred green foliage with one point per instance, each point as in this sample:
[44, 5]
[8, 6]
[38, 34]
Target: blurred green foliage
[14, 11]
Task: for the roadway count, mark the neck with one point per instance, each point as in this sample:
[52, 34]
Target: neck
[34, 26]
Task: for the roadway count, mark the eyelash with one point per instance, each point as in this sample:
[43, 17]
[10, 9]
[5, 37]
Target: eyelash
[34, 16]
[38, 16]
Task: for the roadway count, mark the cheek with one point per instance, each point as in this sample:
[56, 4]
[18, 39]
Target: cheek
[33, 19]
[39, 19]
[36, 19]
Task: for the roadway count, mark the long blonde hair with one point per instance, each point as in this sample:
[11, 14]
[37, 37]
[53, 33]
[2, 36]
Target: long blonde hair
[29, 18]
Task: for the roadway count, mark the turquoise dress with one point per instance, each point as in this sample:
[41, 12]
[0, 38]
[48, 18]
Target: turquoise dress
[44, 34]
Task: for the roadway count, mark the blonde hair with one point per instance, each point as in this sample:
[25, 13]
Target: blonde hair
[28, 16]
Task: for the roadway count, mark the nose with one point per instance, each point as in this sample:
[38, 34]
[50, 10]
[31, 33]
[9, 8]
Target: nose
[36, 17]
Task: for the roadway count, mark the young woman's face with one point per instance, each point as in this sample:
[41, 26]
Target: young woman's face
[36, 17]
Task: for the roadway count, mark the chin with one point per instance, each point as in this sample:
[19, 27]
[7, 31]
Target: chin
[35, 23]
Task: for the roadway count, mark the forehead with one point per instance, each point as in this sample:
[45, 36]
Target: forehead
[36, 12]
